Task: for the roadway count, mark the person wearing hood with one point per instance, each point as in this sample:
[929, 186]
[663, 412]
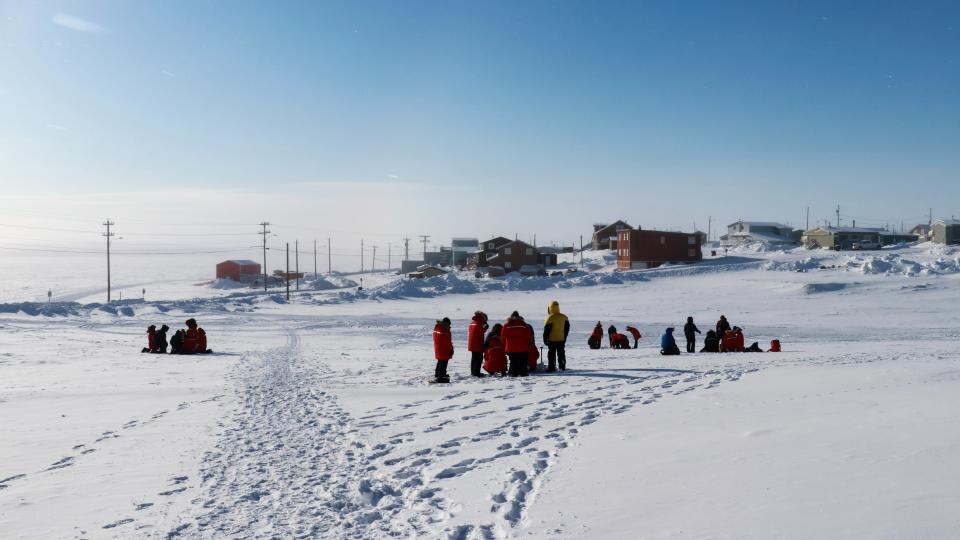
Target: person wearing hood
[516, 337]
[636, 335]
[494, 359]
[442, 349]
[556, 327]
[191, 338]
[151, 340]
[160, 340]
[723, 326]
[596, 337]
[475, 335]
[668, 345]
[711, 343]
[176, 342]
[611, 331]
[690, 331]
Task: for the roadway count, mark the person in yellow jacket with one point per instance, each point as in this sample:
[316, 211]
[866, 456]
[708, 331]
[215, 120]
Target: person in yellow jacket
[555, 331]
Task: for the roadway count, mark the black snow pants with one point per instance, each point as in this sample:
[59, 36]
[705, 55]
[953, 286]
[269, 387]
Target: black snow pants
[518, 364]
[476, 360]
[691, 343]
[556, 352]
[441, 371]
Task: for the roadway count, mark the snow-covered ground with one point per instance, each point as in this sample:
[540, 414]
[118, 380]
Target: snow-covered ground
[314, 418]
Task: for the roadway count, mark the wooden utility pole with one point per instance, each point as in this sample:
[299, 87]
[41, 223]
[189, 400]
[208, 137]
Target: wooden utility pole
[296, 255]
[264, 233]
[373, 263]
[287, 274]
[109, 235]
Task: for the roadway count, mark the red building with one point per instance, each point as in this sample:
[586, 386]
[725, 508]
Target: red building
[638, 249]
[239, 270]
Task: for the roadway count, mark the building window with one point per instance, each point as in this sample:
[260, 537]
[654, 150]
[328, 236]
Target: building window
[691, 253]
[507, 264]
[490, 245]
[692, 240]
[663, 240]
[529, 251]
[508, 251]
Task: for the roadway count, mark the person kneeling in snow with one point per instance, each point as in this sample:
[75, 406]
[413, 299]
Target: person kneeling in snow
[494, 359]
[711, 343]
[596, 337]
[176, 342]
[668, 345]
[442, 349]
[194, 339]
[151, 340]
[160, 340]
[732, 341]
[619, 341]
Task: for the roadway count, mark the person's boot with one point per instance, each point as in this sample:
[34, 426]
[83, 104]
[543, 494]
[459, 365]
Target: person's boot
[551, 367]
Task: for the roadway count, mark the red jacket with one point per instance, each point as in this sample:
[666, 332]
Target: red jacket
[151, 341]
[494, 359]
[597, 332]
[619, 338]
[191, 340]
[442, 342]
[516, 336]
[732, 341]
[203, 339]
[478, 326]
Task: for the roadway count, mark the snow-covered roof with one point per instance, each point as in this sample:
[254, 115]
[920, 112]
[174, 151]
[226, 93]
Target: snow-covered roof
[861, 230]
[760, 224]
[242, 262]
[760, 237]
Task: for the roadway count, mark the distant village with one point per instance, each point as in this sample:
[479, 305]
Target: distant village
[636, 248]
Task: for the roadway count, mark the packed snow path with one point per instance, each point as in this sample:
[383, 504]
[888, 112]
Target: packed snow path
[291, 462]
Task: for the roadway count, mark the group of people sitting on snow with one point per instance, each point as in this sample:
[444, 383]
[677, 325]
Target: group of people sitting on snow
[509, 348]
[193, 340]
[617, 340]
[724, 339]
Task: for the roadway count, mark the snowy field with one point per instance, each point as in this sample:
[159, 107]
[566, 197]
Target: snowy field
[314, 418]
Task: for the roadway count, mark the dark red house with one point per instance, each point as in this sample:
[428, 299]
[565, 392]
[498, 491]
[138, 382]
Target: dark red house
[239, 270]
[638, 249]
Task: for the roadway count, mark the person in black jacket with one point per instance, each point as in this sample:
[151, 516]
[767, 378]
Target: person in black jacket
[723, 326]
[161, 340]
[711, 343]
[176, 342]
[690, 330]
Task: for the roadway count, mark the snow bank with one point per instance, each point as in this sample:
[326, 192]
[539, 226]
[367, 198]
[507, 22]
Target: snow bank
[802, 265]
[226, 284]
[894, 264]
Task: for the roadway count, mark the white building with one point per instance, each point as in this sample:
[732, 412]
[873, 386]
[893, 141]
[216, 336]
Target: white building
[747, 232]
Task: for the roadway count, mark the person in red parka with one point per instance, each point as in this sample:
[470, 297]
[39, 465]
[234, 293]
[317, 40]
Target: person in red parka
[442, 349]
[636, 335]
[732, 341]
[596, 337]
[516, 336]
[478, 326]
[191, 338]
[151, 340]
[619, 341]
[494, 359]
[534, 355]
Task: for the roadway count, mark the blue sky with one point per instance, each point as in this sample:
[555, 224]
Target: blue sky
[475, 118]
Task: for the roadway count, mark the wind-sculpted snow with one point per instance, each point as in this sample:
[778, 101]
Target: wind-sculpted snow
[894, 264]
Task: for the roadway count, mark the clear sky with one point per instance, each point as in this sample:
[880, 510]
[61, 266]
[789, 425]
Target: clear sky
[452, 118]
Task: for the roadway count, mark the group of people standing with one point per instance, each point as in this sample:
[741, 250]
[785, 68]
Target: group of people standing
[193, 340]
[509, 348]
